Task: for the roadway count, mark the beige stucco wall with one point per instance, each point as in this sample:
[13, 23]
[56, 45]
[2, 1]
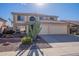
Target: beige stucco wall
[2, 26]
[18, 24]
[21, 24]
[1, 23]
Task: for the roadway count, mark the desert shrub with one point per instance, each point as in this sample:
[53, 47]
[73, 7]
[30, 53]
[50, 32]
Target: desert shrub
[26, 40]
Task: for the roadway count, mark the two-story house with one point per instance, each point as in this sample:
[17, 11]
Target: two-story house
[49, 24]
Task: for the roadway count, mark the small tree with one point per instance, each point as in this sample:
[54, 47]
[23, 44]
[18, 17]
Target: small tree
[33, 32]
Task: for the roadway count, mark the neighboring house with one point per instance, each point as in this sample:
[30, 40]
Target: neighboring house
[2, 24]
[74, 25]
[49, 24]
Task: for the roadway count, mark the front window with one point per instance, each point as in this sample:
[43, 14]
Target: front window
[51, 18]
[20, 18]
[43, 18]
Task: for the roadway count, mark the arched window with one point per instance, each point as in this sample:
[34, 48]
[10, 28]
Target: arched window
[32, 18]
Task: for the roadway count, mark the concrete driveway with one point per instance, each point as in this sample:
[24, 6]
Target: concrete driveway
[60, 38]
[62, 45]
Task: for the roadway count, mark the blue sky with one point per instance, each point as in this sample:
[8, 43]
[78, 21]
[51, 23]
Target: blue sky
[64, 11]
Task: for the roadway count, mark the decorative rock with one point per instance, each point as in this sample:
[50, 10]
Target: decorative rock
[6, 43]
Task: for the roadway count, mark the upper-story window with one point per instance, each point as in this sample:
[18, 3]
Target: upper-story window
[43, 18]
[51, 18]
[20, 18]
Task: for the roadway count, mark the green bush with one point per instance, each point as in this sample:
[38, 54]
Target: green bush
[26, 40]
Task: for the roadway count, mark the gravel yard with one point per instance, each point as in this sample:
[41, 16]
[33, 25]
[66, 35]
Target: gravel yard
[15, 43]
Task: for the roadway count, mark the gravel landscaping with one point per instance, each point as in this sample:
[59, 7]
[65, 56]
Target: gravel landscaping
[14, 44]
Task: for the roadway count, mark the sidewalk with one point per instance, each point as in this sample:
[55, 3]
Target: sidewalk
[58, 49]
[63, 49]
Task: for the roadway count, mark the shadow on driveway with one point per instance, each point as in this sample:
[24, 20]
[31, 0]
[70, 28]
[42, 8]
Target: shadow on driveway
[35, 50]
[22, 49]
[60, 38]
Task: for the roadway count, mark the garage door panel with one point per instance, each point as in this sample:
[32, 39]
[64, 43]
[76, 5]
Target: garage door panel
[57, 29]
[50, 28]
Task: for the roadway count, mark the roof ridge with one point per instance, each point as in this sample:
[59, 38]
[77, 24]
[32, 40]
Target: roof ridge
[1, 19]
[32, 13]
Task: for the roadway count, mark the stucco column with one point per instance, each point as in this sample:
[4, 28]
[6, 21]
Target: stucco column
[27, 29]
[37, 18]
[14, 22]
[68, 28]
[27, 24]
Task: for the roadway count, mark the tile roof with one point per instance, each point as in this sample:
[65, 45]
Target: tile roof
[71, 22]
[1, 19]
[35, 14]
